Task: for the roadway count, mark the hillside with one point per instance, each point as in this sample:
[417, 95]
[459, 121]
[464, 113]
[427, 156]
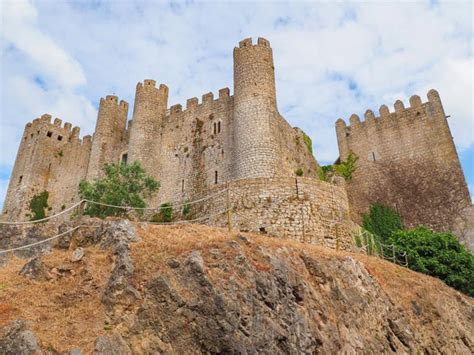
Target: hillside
[192, 289]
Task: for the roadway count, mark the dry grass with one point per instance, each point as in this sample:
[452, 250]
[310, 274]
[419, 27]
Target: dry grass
[65, 312]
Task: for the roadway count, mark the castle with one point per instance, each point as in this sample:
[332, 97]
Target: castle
[239, 140]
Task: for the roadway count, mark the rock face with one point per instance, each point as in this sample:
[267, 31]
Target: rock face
[300, 305]
[16, 338]
[198, 289]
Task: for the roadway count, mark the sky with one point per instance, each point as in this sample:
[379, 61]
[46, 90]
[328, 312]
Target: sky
[332, 59]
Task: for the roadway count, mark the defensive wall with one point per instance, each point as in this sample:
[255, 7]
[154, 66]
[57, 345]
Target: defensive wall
[407, 160]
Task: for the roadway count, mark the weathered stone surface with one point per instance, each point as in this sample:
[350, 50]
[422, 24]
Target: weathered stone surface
[35, 269]
[114, 345]
[16, 338]
[77, 254]
[408, 161]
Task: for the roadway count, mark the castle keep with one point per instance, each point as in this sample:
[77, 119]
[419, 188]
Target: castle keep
[241, 141]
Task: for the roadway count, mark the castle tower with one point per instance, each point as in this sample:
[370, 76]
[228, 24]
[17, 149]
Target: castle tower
[148, 112]
[109, 132]
[256, 148]
[408, 161]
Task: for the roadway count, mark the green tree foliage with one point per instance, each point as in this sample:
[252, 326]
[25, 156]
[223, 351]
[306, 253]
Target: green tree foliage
[382, 221]
[122, 185]
[437, 254]
[165, 215]
[345, 168]
[38, 205]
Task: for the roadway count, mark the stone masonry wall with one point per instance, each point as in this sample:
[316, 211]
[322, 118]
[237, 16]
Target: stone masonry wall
[51, 157]
[407, 160]
[305, 209]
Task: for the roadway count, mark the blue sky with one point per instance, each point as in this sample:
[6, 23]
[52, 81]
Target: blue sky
[331, 60]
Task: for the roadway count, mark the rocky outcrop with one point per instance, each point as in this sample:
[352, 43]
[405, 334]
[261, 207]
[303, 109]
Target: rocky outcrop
[197, 289]
[16, 338]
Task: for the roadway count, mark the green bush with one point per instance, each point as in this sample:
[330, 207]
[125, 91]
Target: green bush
[325, 172]
[186, 209]
[122, 185]
[299, 172]
[38, 205]
[165, 215]
[382, 221]
[345, 168]
[437, 254]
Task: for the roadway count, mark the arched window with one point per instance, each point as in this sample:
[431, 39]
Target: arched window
[219, 127]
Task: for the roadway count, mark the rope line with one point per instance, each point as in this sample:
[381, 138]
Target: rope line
[46, 218]
[184, 221]
[157, 208]
[41, 241]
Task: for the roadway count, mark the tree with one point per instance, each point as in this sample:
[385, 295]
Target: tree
[437, 254]
[122, 185]
[382, 221]
[38, 205]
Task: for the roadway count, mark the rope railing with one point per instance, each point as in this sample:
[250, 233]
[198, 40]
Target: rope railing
[41, 241]
[46, 218]
[184, 221]
[77, 204]
[172, 204]
[370, 245]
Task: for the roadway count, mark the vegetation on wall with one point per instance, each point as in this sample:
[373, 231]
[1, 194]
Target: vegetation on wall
[38, 204]
[186, 209]
[439, 255]
[165, 215]
[299, 172]
[382, 221]
[308, 142]
[122, 185]
[345, 168]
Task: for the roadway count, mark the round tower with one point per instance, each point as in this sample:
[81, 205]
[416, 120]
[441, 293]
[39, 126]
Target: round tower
[109, 130]
[256, 147]
[148, 112]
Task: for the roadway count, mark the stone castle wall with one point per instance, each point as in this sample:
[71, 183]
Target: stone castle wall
[189, 151]
[304, 209]
[407, 160]
[51, 158]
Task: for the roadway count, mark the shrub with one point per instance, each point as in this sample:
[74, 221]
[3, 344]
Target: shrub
[437, 254]
[38, 205]
[186, 209]
[165, 215]
[345, 168]
[123, 185]
[299, 172]
[382, 221]
[324, 172]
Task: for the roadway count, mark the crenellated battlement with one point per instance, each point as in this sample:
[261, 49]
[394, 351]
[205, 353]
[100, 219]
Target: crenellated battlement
[416, 109]
[261, 42]
[150, 84]
[193, 103]
[55, 129]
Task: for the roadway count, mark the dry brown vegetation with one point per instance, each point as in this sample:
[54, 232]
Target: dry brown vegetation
[66, 311]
